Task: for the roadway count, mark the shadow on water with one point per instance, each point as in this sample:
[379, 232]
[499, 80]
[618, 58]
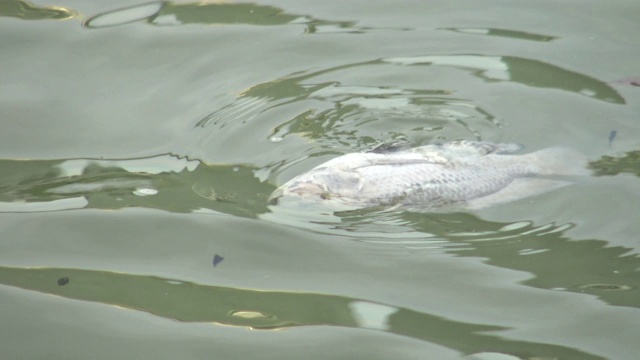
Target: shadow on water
[190, 302]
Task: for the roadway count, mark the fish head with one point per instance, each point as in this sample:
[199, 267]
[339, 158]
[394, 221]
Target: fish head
[320, 185]
[298, 188]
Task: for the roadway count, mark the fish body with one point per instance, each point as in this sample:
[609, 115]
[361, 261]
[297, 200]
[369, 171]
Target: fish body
[466, 174]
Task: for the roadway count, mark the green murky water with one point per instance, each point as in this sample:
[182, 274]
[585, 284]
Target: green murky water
[141, 140]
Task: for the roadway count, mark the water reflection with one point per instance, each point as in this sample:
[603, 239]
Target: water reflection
[555, 261]
[512, 34]
[28, 11]
[178, 184]
[347, 107]
[165, 182]
[165, 13]
[259, 309]
[353, 115]
[169, 13]
[523, 71]
[629, 163]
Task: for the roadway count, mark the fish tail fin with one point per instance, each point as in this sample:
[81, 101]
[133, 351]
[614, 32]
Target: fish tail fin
[560, 161]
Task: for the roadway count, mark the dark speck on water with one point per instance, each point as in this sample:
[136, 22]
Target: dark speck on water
[217, 259]
[612, 135]
[63, 281]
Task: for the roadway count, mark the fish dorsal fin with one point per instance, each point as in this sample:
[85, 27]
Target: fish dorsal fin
[481, 147]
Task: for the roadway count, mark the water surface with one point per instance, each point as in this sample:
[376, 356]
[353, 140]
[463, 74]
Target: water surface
[141, 140]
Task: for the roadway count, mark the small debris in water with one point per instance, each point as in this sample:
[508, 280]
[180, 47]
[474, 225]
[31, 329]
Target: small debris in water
[145, 191]
[217, 259]
[63, 281]
[612, 135]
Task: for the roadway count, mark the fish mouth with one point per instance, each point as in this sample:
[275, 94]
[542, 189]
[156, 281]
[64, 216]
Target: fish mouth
[299, 189]
[275, 196]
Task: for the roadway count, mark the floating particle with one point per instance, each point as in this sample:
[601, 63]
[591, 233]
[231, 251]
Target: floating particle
[612, 135]
[63, 281]
[217, 259]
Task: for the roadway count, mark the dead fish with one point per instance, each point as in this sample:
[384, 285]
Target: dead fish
[457, 174]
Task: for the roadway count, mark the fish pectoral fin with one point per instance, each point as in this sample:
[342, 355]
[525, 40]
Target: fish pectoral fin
[518, 189]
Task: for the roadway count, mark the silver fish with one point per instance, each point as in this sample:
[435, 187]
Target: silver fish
[457, 174]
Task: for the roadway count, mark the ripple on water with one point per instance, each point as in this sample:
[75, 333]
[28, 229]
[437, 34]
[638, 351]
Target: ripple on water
[344, 108]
